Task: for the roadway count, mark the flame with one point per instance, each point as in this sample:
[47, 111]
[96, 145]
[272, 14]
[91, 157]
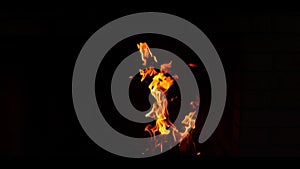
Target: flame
[192, 65]
[145, 52]
[196, 103]
[165, 67]
[158, 87]
[175, 77]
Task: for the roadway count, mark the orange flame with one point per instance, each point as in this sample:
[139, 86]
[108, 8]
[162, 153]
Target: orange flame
[165, 67]
[159, 88]
[145, 52]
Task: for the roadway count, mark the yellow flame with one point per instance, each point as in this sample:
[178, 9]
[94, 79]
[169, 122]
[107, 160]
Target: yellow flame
[159, 87]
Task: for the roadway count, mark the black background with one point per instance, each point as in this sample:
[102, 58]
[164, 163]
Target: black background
[259, 49]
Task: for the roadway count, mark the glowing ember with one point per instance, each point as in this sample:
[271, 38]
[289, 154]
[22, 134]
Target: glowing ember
[192, 65]
[159, 86]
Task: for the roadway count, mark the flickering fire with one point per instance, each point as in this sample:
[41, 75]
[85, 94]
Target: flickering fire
[159, 86]
[145, 52]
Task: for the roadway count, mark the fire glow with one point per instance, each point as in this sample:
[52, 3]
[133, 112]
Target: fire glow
[159, 86]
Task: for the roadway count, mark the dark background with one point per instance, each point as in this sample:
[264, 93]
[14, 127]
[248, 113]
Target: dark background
[259, 49]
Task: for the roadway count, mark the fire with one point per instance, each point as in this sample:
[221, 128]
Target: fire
[165, 67]
[192, 65]
[158, 87]
[145, 52]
